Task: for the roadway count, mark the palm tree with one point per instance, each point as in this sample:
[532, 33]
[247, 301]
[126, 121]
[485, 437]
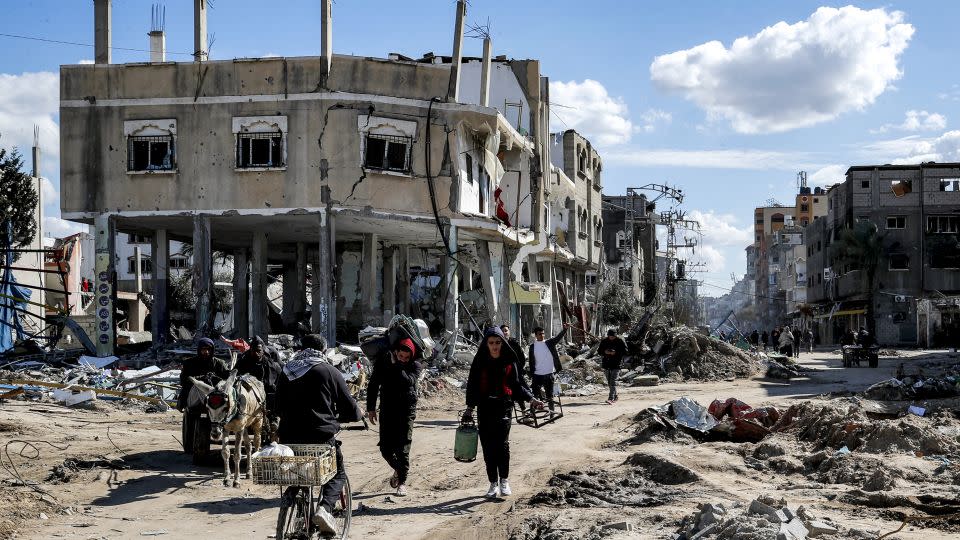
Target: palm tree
[861, 247]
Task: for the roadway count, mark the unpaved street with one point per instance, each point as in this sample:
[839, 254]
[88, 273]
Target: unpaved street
[161, 493]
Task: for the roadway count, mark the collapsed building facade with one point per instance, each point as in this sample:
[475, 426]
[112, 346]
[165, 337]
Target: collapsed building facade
[373, 186]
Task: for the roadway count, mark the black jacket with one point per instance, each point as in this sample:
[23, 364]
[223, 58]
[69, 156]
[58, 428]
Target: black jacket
[521, 360]
[500, 373]
[395, 383]
[612, 353]
[552, 345]
[267, 369]
[198, 367]
[312, 406]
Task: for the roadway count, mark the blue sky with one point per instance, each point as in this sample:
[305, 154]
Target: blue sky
[727, 100]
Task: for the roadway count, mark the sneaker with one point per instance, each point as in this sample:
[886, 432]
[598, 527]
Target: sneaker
[505, 488]
[609, 402]
[401, 490]
[494, 490]
[324, 521]
[394, 481]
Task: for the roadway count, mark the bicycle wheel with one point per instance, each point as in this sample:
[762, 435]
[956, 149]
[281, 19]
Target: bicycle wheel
[344, 509]
[294, 519]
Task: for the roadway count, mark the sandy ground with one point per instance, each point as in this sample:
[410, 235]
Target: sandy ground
[161, 493]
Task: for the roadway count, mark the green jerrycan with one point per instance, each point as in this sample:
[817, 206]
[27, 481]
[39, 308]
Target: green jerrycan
[465, 443]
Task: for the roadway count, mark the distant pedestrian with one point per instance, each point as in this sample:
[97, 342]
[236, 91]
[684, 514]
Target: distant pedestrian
[809, 340]
[755, 338]
[797, 338]
[544, 363]
[394, 379]
[786, 342]
[612, 350]
[765, 339]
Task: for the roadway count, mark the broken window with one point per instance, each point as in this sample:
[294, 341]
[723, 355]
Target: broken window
[391, 153]
[950, 184]
[137, 239]
[943, 224]
[469, 163]
[901, 187]
[146, 265]
[260, 149]
[804, 207]
[865, 184]
[150, 153]
[899, 261]
[896, 222]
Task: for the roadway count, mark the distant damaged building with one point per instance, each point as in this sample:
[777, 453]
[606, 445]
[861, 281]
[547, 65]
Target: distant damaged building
[368, 186]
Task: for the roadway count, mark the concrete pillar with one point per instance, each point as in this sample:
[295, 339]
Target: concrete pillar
[300, 281]
[102, 21]
[403, 280]
[241, 293]
[259, 311]
[466, 277]
[326, 40]
[160, 314]
[389, 301]
[370, 301]
[450, 307]
[485, 73]
[323, 320]
[158, 46]
[495, 291]
[137, 269]
[200, 50]
[202, 268]
[290, 290]
[105, 283]
[453, 88]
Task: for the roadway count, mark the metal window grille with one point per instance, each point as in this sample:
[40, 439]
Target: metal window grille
[388, 152]
[150, 153]
[260, 149]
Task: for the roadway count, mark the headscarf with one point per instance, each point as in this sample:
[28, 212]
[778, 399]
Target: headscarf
[302, 362]
[205, 342]
[405, 343]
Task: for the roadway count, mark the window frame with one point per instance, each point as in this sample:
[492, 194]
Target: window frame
[252, 128]
[389, 141]
[906, 266]
[151, 131]
[901, 220]
[947, 230]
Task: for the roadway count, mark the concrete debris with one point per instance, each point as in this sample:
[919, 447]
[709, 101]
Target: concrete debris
[764, 519]
[683, 352]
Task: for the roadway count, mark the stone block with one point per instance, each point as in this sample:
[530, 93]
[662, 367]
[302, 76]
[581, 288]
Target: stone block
[794, 530]
[619, 526]
[818, 528]
[645, 380]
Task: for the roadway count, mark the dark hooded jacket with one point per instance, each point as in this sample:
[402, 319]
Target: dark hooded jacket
[199, 367]
[495, 377]
[266, 369]
[395, 383]
[312, 405]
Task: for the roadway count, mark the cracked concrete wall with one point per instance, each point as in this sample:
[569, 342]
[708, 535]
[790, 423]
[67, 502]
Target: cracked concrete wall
[323, 141]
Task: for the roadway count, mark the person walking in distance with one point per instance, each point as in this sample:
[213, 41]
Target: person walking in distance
[765, 340]
[394, 380]
[612, 350]
[492, 386]
[544, 363]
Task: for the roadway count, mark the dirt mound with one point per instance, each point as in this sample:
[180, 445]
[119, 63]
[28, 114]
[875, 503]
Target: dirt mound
[662, 471]
[549, 528]
[603, 489]
[692, 355]
[839, 424]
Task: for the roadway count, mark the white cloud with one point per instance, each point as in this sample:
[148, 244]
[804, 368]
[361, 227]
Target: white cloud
[916, 121]
[588, 108]
[49, 193]
[26, 100]
[945, 148]
[715, 261]
[652, 118]
[953, 94]
[58, 228]
[747, 159]
[789, 76]
[827, 176]
[85, 62]
[721, 229]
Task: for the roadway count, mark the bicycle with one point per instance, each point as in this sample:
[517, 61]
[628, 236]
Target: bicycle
[301, 478]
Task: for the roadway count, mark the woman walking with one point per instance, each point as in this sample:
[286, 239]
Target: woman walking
[492, 387]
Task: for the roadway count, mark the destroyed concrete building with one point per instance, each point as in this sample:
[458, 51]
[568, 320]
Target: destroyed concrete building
[374, 184]
[633, 263]
[916, 209]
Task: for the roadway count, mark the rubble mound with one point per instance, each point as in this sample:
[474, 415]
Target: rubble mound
[764, 519]
[837, 425]
[603, 489]
[547, 528]
[869, 473]
[662, 471]
[693, 355]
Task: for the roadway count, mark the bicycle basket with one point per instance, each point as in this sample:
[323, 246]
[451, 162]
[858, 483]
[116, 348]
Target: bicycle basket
[311, 465]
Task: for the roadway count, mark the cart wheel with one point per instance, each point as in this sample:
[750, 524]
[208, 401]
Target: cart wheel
[201, 440]
[187, 429]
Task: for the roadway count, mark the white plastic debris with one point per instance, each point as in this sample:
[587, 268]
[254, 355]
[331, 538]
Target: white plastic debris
[917, 411]
[70, 398]
[274, 449]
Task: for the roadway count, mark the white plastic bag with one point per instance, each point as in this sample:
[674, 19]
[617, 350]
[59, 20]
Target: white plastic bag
[274, 449]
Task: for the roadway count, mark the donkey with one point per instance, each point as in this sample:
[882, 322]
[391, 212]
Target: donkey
[235, 406]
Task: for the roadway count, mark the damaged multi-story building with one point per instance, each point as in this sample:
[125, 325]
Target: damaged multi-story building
[372, 186]
[631, 255]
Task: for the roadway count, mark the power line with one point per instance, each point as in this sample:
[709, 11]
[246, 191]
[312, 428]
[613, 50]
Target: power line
[61, 42]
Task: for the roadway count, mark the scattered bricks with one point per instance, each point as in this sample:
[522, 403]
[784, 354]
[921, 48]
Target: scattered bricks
[789, 513]
[645, 380]
[757, 507]
[794, 530]
[817, 528]
[619, 526]
[710, 514]
[781, 516]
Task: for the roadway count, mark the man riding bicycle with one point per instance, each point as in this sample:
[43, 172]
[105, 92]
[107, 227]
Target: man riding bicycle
[312, 400]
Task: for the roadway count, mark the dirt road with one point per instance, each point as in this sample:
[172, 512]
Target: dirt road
[160, 493]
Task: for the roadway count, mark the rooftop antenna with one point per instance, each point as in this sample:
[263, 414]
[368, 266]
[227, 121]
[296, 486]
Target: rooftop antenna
[158, 18]
[802, 179]
[36, 151]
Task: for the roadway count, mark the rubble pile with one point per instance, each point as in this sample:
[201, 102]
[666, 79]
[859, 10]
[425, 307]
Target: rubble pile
[681, 352]
[764, 519]
[684, 419]
[840, 424]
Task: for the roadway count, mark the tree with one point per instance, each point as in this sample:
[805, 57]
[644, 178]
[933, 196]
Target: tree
[618, 306]
[18, 199]
[861, 247]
